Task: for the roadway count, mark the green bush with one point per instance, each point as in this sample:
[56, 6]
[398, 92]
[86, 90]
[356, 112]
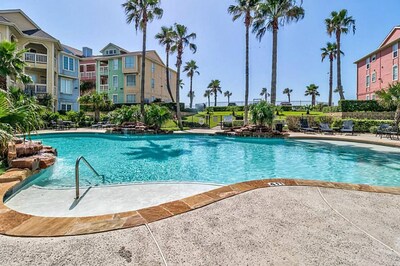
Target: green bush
[225, 108]
[78, 118]
[125, 114]
[262, 114]
[331, 109]
[193, 124]
[286, 108]
[362, 125]
[364, 106]
[293, 122]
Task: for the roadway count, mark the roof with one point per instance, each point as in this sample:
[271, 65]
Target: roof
[22, 13]
[3, 19]
[72, 50]
[389, 35]
[116, 46]
[39, 33]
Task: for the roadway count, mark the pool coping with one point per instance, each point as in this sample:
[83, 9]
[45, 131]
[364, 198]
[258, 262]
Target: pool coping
[13, 223]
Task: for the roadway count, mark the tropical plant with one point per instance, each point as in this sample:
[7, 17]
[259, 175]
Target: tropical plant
[288, 92]
[262, 114]
[330, 51]
[11, 64]
[270, 15]
[142, 12]
[391, 97]
[125, 114]
[98, 101]
[215, 88]
[165, 38]
[312, 90]
[207, 94]
[181, 40]
[338, 23]
[191, 69]
[265, 93]
[228, 94]
[245, 9]
[87, 87]
[157, 115]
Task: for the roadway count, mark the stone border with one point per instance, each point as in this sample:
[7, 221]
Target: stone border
[13, 223]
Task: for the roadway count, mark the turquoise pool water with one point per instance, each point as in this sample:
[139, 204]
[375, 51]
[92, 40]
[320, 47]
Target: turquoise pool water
[221, 160]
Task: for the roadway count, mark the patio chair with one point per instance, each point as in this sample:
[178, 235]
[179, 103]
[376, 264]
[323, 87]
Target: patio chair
[383, 129]
[304, 127]
[393, 132]
[325, 128]
[348, 127]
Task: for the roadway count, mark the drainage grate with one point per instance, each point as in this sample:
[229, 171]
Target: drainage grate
[275, 184]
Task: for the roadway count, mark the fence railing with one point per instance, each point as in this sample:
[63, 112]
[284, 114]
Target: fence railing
[33, 89]
[103, 88]
[104, 70]
[36, 58]
[88, 75]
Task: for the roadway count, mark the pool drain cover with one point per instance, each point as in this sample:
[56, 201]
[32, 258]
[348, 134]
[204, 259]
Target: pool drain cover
[275, 184]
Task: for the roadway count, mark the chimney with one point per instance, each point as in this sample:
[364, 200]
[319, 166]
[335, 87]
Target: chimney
[87, 52]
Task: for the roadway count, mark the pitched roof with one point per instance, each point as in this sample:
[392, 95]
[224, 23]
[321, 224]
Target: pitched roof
[389, 35]
[72, 50]
[22, 13]
[39, 33]
[3, 19]
[116, 46]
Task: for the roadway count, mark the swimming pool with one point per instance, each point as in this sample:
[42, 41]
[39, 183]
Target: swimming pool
[214, 159]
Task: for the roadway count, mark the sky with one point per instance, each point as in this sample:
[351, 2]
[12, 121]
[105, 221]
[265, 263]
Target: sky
[221, 42]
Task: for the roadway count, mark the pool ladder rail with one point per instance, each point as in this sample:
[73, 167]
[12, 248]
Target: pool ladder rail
[78, 161]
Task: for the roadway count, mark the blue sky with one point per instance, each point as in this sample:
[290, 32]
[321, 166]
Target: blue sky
[95, 23]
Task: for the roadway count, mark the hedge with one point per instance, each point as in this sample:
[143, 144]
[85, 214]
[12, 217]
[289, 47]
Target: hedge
[364, 106]
[225, 108]
[193, 124]
[362, 125]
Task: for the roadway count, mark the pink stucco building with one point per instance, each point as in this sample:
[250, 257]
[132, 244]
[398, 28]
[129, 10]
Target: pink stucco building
[379, 68]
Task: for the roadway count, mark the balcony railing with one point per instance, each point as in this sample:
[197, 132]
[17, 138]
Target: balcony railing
[104, 70]
[88, 75]
[36, 58]
[35, 89]
[103, 88]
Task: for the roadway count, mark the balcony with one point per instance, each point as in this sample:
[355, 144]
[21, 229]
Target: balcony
[104, 70]
[104, 88]
[88, 75]
[35, 89]
[37, 59]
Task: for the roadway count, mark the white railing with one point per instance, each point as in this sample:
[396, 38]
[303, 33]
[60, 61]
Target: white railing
[36, 88]
[36, 58]
[88, 75]
[104, 70]
[103, 88]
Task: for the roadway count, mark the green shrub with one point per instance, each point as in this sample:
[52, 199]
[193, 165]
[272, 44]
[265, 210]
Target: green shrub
[331, 109]
[157, 115]
[262, 114]
[286, 108]
[125, 114]
[364, 106]
[76, 117]
[193, 124]
[373, 129]
[225, 108]
[362, 125]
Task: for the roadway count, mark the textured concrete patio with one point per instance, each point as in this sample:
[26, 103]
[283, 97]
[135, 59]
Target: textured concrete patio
[270, 226]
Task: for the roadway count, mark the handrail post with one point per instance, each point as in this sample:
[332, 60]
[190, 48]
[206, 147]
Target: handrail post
[77, 178]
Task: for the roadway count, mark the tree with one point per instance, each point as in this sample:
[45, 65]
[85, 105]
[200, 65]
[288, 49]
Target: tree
[262, 114]
[264, 92]
[87, 87]
[228, 94]
[215, 87]
[270, 15]
[12, 64]
[207, 94]
[191, 69]
[165, 38]
[312, 90]
[181, 40]
[98, 101]
[141, 12]
[157, 115]
[191, 96]
[288, 92]
[330, 51]
[391, 97]
[245, 9]
[338, 23]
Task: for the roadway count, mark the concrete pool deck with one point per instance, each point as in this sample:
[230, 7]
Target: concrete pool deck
[268, 226]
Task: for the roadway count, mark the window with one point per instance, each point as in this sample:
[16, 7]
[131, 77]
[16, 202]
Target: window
[395, 72]
[368, 62]
[130, 98]
[66, 86]
[367, 82]
[66, 107]
[395, 50]
[115, 82]
[115, 64]
[374, 76]
[367, 98]
[115, 98]
[373, 97]
[153, 68]
[68, 63]
[131, 80]
[129, 62]
[153, 83]
[373, 58]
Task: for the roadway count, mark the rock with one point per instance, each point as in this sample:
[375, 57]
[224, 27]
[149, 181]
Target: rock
[17, 140]
[28, 149]
[45, 160]
[48, 149]
[13, 175]
[31, 163]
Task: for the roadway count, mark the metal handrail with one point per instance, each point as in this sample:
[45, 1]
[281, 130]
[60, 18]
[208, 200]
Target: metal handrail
[77, 173]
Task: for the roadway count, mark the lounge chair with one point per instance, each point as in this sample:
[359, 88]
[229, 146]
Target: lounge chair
[325, 128]
[383, 129]
[348, 127]
[393, 132]
[304, 127]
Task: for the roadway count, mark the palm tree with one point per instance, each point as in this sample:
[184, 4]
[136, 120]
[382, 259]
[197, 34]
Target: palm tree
[191, 96]
[165, 38]
[271, 14]
[215, 87]
[207, 94]
[288, 92]
[339, 23]
[98, 101]
[312, 90]
[11, 64]
[391, 97]
[264, 92]
[181, 40]
[141, 12]
[330, 51]
[191, 69]
[245, 9]
[228, 94]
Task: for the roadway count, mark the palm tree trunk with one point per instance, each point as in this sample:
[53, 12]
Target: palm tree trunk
[313, 100]
[229, 99]
[178, 78]
[288, 97]
[274, 64]
[96, 115]
[246, 95]
[168, 81]
[143, 72]
[339, 74]
[215, 98]
[209, 101]
[191, 92]
[266, 97]
[330, 83]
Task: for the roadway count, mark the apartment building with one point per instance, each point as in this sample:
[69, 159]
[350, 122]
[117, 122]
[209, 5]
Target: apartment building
[380, 68]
